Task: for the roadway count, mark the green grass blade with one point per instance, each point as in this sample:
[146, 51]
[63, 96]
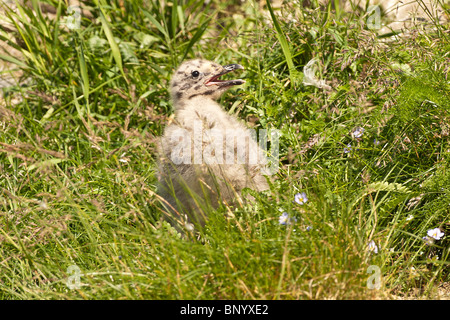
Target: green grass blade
[174, 18]
[283, 42]
[200, 31]
[112, 43]
[156, 24]
[14, 60]
[84, 77]
[181, 18]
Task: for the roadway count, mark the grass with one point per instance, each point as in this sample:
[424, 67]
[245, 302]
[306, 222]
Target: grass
[79, 214]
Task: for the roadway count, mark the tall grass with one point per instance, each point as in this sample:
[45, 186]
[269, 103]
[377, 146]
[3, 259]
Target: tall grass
[79, 214]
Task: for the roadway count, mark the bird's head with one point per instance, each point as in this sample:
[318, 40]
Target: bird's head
[201, 78]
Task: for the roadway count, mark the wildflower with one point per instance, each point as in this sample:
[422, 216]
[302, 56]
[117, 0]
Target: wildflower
[436, 233]
[410, 217]
[428, 241]
[285, 220]
[372, 247]
[348, 149]
[358, 132]
[376, 142]
[301, 198]
[308, 228]
[309, 70]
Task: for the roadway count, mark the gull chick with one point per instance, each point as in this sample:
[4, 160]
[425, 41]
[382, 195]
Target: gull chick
[206, 156]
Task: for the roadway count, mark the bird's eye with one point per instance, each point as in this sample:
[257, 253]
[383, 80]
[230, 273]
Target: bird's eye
[195, 73]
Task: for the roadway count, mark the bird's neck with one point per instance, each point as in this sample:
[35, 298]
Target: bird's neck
[198, 103]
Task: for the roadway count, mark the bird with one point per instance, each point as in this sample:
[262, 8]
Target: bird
[206, 155]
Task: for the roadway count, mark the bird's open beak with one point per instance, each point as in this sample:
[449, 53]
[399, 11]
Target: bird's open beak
[226, 83]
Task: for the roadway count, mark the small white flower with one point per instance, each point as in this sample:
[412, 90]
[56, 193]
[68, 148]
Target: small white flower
[301, 198]
[372, 247]
[309, 70]
[358, 132]
[284, 218]
[410, 217]
[435, 233]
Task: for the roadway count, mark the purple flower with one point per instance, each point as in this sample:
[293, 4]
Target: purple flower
[348, 149]
[285, 220]
[372, 247]
[301, 198]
